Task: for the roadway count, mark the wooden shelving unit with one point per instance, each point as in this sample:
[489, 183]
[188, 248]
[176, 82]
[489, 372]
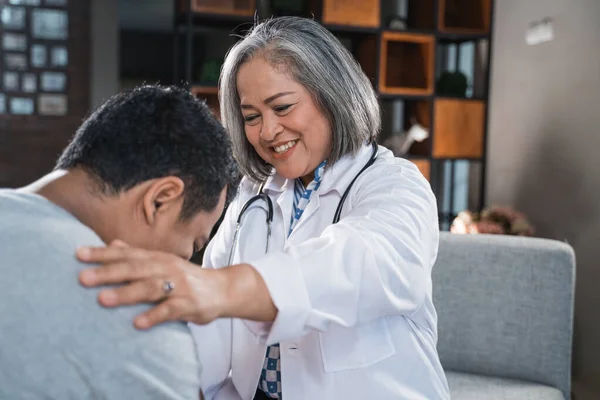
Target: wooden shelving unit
[413, 52]
[227, 7]
[352, 12]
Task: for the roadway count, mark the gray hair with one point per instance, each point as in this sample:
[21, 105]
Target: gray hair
[317, 60]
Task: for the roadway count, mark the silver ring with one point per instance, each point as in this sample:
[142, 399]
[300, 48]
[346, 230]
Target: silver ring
[168, 287]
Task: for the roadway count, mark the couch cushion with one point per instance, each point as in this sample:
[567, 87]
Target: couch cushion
[505, 307]
[477, 387]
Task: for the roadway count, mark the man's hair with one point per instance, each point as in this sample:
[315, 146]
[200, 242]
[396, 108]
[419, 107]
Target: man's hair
[152, 132]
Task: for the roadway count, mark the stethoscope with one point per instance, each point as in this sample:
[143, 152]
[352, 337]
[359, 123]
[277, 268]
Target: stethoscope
[269, 211]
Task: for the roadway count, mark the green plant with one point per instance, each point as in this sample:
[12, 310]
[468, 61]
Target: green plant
[210, 71]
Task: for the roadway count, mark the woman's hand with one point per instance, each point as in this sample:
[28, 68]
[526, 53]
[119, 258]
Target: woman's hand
[183, 291]
[197, 295]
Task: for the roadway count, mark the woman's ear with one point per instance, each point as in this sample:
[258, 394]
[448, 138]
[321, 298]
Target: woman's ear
[163, 196]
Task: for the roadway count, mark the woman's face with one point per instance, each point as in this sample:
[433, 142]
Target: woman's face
[282, 121]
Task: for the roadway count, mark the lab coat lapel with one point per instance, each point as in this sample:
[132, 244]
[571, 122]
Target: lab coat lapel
[285, 201]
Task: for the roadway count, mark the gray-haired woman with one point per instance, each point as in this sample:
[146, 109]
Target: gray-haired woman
[331, 296]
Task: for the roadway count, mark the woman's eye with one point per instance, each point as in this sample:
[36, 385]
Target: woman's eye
[282, 108]
[250, 118]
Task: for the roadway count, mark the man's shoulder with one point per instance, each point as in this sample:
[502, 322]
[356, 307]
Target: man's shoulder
[33, 221]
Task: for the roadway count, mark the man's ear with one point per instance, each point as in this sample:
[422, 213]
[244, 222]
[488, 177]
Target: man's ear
[164, 195]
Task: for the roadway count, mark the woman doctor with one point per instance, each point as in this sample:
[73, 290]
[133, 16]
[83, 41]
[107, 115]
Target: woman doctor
[332, 310]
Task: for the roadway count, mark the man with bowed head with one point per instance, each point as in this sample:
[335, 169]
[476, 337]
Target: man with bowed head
[151, 167]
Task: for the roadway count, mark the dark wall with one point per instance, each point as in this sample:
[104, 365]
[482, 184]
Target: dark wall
[146, 55]
[29, 146]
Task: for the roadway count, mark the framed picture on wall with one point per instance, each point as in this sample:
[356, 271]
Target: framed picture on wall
[29, 83]
[53, 82]
[59, 57]
[13, 17]
[25, 2]
[10, 80]
[38, 56]
[21, 106]
[52, 104]
[56, 3]
[14, 42]
[15, 61]
[49, 24]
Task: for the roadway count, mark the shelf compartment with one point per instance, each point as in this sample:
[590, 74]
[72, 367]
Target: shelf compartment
[211, 95]
[403, 15]
[465, 16]
[462, 69]
[406, 64]
[457, 185]
[205, 58]
[228, 7]
[459, 128]
[398, 115]
[366, 13]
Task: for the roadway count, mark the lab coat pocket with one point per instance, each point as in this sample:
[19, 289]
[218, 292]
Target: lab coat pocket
[356, 347]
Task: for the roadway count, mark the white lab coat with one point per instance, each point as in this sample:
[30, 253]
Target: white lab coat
[355, 313]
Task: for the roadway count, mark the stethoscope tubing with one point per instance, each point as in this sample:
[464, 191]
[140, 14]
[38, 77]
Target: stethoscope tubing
[269, 211]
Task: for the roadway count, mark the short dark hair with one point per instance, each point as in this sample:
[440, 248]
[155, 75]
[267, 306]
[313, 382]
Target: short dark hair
[152, 132]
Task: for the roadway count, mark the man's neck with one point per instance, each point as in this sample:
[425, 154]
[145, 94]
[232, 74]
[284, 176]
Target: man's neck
[76, 191]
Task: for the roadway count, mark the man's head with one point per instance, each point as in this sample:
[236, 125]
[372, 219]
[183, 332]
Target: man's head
[162, 160]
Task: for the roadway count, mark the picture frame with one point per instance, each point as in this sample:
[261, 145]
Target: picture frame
[10, 81]
[21, 106]
[59, 57]
[38, 56]
[49, 24]
[53, 81]
[24, 2]
[52, 104]
[15, 61]
[29, 83]
[13, 17]
[14, 41]
[56, 3]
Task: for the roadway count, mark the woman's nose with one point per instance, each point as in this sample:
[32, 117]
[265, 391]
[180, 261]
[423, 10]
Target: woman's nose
[270, 128]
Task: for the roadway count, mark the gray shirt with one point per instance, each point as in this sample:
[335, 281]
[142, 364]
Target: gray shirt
[56, 342]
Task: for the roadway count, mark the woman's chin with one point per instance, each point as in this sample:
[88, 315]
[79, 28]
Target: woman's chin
[289, 173]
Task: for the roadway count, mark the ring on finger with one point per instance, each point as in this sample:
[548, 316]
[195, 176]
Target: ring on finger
[168, 287]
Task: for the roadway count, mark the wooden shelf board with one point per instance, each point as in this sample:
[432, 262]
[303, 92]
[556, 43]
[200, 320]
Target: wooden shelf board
[197, 89]
[224, 11]
[343, 28]
[366, 13]
[458, 128]
[398, 91]
[226, 7]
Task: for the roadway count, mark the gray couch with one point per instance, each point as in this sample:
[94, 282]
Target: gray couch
[505, 309]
